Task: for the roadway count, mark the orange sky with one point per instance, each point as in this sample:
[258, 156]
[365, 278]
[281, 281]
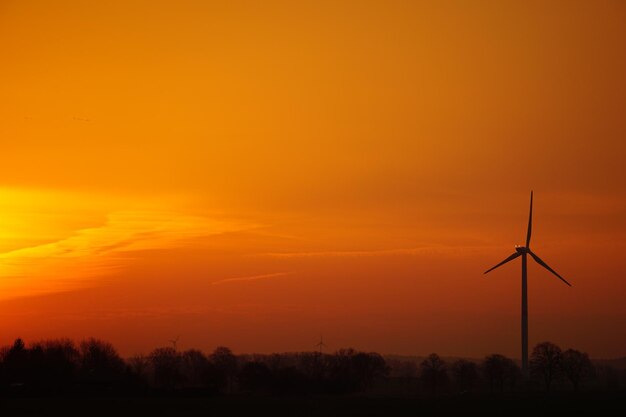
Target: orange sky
[254, 174]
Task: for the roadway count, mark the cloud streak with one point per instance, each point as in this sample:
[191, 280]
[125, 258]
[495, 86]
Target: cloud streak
[252, 278]
[97, 251]
[421, 250]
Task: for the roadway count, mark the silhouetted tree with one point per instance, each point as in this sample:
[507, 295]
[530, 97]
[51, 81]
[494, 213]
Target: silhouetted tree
[140, 366]
[18, 346]
[166, 367]
[311, 364]
[16, 364]
[434, 373]
[545, 362]
[276, 361]
[100, 362]
[369, 367]
[351, 371]
[498, 371]
[576, 366]
[137, 373]
[226, 367]
[465, 374]
[57, 362]
[341, 373]
[194, 368]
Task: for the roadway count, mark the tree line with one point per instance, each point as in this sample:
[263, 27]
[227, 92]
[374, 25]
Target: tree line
[94, 366]
[549, 366]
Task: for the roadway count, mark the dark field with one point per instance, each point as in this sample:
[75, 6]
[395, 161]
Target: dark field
[596, 404]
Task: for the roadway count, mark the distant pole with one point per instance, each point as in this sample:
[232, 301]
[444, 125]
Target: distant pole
[524, 317]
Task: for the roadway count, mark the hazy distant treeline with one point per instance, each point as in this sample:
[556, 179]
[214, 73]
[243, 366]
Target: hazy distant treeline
[94, 367]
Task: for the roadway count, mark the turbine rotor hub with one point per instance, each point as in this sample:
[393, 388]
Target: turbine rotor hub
[521, 249]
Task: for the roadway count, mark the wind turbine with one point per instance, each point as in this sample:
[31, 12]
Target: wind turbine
[524, 251]
[321, 344]
[174, 342]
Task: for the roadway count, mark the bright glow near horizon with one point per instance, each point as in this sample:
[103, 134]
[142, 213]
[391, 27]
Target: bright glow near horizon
[345, 168]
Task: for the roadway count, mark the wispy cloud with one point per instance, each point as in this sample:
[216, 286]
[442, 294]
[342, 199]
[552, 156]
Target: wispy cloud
[421, 250]
[99, 250]
[252, 278]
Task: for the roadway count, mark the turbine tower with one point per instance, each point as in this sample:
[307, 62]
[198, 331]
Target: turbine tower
[524, 251]
[321, 344]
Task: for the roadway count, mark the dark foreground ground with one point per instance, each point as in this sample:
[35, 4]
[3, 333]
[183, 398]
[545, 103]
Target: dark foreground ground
[592, 404]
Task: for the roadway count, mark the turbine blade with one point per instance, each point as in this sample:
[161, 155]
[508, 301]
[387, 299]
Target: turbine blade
[530, 221]
[510, 258]
[545, 265]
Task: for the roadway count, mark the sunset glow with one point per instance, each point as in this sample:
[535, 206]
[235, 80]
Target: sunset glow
[255, 174]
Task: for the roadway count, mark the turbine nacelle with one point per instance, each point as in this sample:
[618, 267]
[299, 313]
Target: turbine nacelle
[521, 249]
